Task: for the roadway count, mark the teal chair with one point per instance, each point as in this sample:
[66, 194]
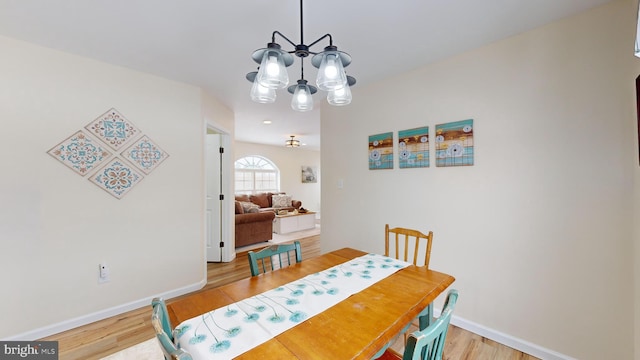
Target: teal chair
[267, 258]
[427, 344]
[164, 332]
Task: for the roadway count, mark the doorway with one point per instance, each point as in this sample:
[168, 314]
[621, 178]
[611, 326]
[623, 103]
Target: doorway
[219, 246]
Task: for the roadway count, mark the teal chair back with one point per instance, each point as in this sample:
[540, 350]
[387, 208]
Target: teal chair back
[271, 258]
[164, 332]
[429, 343]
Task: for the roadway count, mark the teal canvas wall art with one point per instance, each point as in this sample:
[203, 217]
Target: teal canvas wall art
[381, 151]
[454, 143]
[413, 147]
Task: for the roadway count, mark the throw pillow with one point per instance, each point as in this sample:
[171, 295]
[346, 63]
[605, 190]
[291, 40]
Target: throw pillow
[249, 207]
[280, 201]
[239, 209]
[270, 197]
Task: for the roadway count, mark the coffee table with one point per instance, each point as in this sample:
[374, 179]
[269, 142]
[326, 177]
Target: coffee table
[291, 222]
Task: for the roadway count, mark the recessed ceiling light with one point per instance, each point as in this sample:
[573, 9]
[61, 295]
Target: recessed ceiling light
[267, 122]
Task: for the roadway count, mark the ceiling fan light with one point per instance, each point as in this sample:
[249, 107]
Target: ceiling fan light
[340, 97]
[273, 73]
[292, 143]
[261, 94]
[302, 100]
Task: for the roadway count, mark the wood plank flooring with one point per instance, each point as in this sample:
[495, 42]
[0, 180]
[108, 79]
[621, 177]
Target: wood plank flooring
[102, 338]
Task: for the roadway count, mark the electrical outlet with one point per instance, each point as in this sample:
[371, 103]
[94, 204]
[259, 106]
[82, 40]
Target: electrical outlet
[103, 273]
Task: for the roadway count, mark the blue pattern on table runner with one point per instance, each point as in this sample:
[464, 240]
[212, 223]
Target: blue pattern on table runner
[231, 330]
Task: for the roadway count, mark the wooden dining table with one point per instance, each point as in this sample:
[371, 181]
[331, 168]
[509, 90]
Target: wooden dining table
[355, 328]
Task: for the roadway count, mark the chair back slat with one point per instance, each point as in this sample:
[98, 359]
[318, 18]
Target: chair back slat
[412, 244]
[271, 257]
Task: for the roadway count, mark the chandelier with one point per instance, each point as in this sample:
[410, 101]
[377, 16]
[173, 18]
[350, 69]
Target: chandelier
[291, 142]
[272, 73]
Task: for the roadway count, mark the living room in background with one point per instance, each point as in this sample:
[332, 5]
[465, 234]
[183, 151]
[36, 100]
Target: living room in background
[256, 174]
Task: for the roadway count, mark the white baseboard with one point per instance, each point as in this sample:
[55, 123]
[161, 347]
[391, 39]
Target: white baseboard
[505, 339]
[100, 315]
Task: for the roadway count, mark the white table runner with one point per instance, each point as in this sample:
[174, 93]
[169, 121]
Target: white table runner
[234, 329]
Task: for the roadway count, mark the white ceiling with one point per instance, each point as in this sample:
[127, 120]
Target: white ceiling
[208, 43]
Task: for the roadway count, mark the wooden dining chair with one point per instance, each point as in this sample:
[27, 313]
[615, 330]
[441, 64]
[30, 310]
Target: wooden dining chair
[164, 332]
[271, 257]
[414, 246]
[427, 344]
[411, 246]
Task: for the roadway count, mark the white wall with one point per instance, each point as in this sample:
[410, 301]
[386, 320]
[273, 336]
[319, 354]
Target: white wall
[539, 232]
[290, 162]
[56, 226]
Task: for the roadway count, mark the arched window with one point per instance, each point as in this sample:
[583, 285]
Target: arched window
[256, 174]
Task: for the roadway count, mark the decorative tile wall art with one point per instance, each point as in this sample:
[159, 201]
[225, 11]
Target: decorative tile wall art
[381, 151]
[413, 148]
[86, 150]
[454, 143]
[80, 152]
[113, 128]
[145, 154]
[116, 178]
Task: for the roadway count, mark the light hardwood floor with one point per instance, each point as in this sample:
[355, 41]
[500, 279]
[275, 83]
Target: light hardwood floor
[102, 338]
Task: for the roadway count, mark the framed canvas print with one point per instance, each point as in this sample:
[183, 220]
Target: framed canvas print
[413, 148]
[309, 174]
[381, 151]
[454, 143]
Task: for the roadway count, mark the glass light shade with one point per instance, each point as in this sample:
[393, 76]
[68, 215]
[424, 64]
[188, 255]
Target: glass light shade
[261, 94]
[302, 100]
[272, 73]
[339, 97]
[331, 73]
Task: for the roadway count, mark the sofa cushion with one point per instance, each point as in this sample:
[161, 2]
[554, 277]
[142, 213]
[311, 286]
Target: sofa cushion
[280, 201]
[253, 218]
[260, 199]
[239, 208]
[242, 197]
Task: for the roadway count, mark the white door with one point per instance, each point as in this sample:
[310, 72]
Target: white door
[213, 179]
